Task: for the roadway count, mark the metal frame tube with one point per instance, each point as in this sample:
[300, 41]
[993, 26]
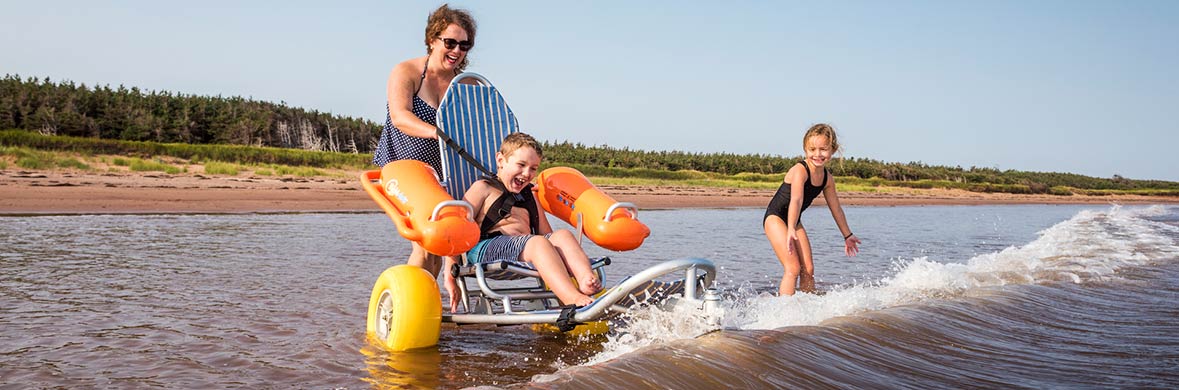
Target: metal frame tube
[601, 306]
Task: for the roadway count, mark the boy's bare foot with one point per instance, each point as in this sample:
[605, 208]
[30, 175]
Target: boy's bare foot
[583, 301]
[589, 285]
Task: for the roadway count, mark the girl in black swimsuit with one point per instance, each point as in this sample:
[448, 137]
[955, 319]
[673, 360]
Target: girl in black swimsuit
[782, 222]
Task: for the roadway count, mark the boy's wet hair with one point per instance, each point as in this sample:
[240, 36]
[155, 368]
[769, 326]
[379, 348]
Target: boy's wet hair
[825, 130]
[516, 141]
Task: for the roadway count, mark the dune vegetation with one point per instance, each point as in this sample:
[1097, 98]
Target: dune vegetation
[63, 125]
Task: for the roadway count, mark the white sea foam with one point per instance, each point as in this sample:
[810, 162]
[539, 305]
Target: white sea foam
[649, 326]
[1091, 245]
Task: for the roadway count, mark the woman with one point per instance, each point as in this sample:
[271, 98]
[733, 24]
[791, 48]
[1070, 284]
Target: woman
[415, 89]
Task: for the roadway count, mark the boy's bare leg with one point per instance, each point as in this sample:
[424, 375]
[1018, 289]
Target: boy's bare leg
[541, 253]
[576, 261]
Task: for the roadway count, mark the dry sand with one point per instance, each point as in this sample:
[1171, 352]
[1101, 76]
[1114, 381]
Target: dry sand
[77, 192]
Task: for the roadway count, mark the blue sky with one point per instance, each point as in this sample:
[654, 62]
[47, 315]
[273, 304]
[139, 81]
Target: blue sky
[1089, 87]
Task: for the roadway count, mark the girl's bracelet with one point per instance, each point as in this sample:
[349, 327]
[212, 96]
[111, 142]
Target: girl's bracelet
[848, 236]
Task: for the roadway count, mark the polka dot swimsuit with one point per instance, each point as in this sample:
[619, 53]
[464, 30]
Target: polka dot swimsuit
[395, 145]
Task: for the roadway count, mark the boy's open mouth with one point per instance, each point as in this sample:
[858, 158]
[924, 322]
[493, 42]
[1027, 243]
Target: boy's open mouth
[519, 182]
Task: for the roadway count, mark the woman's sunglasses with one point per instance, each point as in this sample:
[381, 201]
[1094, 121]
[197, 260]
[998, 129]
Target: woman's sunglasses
[462, 45]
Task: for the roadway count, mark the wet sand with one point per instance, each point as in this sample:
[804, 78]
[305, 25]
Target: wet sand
[76, 192]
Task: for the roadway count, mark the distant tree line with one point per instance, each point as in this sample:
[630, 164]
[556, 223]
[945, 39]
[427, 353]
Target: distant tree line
[66, 108]
[69, 109]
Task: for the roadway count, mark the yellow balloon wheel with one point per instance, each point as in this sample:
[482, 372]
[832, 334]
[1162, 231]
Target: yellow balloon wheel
[405, 310]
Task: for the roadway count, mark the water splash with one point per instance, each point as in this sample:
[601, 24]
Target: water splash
[650, 325]
[1090, 246]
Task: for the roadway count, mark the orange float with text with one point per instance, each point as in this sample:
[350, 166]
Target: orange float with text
[567, 194]
[409, 192]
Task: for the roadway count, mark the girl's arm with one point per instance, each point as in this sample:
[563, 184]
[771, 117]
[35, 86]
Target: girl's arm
[403, 81]
[850, 241]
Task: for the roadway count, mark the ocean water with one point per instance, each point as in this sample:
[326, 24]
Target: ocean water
[943, 296]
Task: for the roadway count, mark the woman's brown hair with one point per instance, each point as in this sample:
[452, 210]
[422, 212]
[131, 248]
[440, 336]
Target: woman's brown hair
[445, 16]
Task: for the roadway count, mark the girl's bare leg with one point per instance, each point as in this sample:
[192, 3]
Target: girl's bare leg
[576, 261]
[776, 232]
[541, 253]
[806, 276]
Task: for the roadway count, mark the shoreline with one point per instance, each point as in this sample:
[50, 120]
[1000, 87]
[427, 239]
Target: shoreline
[32, 192]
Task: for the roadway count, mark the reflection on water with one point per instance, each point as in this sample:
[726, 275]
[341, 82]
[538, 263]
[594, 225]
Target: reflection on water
[957, 296]
[395, 370]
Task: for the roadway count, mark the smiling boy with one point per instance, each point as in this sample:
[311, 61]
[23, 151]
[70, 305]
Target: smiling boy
[513, 227]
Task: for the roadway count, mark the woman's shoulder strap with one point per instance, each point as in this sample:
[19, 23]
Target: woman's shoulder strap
[422, 80]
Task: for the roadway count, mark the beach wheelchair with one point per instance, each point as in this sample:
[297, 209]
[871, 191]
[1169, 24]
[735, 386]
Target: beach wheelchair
[405, 308]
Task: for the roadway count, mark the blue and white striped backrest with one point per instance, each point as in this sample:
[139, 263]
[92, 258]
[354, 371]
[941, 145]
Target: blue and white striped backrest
[477, 118]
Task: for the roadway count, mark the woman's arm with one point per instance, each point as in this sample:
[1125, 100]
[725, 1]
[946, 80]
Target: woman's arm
[403, 81]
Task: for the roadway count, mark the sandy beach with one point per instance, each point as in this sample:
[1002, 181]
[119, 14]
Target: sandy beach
[78, 192]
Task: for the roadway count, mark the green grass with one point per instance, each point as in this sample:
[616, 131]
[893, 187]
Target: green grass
[1143, 192]
[27, 158]
[220, 168]
[641, 181]
[31, 150]
[284, 170]
[140, 165]
[32, 163]
[863, 188]
[35, 159]
[218, 159]
[70, 162]
[237, 154]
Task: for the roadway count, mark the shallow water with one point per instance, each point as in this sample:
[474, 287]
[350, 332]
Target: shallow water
[955, 296]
